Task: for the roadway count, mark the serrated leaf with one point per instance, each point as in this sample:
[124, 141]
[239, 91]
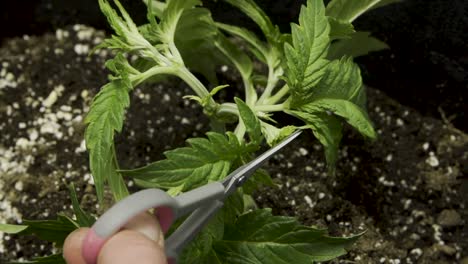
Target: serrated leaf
[350, 112]
[106, 117]
[340, 29]
[349, 10]
[360, 44]
[205, 160]
[305, 58]
[341, 80]
[82, 218]
[260, 237]
[250, 120]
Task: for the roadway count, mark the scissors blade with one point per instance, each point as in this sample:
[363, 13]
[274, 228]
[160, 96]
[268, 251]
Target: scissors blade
[240, 175]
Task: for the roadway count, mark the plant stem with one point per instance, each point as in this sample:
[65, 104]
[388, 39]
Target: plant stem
[278, 96]
[270, 108]
[230, 108]
[240, 130]
[271, 83]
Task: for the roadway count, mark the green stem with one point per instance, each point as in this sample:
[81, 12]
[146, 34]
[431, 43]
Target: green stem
[278, 96]
[240, 130]
[230, 108]
[199, 89]
[139, 78]
[270, 108]
[271, 83]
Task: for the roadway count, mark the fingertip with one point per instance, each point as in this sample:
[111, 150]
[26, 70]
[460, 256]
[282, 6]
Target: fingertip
[130, 246]
[72, 246]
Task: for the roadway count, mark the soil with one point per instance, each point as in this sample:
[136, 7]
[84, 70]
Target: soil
[407, 189]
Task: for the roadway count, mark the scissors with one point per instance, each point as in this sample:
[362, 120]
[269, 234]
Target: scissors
[202, 202]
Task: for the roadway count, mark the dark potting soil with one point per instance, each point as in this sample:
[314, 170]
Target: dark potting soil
[407, 189]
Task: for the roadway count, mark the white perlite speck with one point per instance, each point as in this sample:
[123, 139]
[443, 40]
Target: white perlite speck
[432, 160]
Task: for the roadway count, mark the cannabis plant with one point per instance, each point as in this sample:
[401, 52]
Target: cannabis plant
[308, 74]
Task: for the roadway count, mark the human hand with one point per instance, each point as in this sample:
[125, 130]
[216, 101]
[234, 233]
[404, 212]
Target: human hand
[140, 241]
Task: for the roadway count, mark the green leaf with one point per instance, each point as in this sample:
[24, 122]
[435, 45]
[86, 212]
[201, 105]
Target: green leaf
[360, 44]
[82, 218]
[156, 8]
[353, 114]
[50, 230]
[257, 47]
[52, 259]
[252, 10]
[340, 29]
[260, 178]
[240, 60]
[205, 160]
[341, 80]
[250, 120]
[12, 229]
[260, 237]
[171, 15]
[105, 117]
[328, 130]
[349, 10]
[200, 248]
[305, 59]
[274, 135]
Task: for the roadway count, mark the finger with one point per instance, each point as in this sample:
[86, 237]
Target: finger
[129, 246]
[72, 246]
[147, 225]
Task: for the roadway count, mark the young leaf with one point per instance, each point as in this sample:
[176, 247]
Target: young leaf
[106, 116]
[274, 135]
[306, 57]
[251, 122]
[360, 44]
[349, 10]
[340, 29]
[12, 229]
[251, 9]
[257, 47]
[259, 237]
[207, 159]
[82, 218]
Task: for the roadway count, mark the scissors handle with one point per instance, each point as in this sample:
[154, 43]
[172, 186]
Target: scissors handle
[168, 210]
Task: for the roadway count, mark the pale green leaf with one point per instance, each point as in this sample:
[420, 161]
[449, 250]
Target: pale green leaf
[349, 10]
[257, 47]
[240, 60]
[12, 229]
[105, 117]
[340, 29]
[360, 44]
[250, 120]
[305, 58]
[171, 16]
[259, 237]
[274, 135]
[207, 159]
[156, 7]
[259, 178]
